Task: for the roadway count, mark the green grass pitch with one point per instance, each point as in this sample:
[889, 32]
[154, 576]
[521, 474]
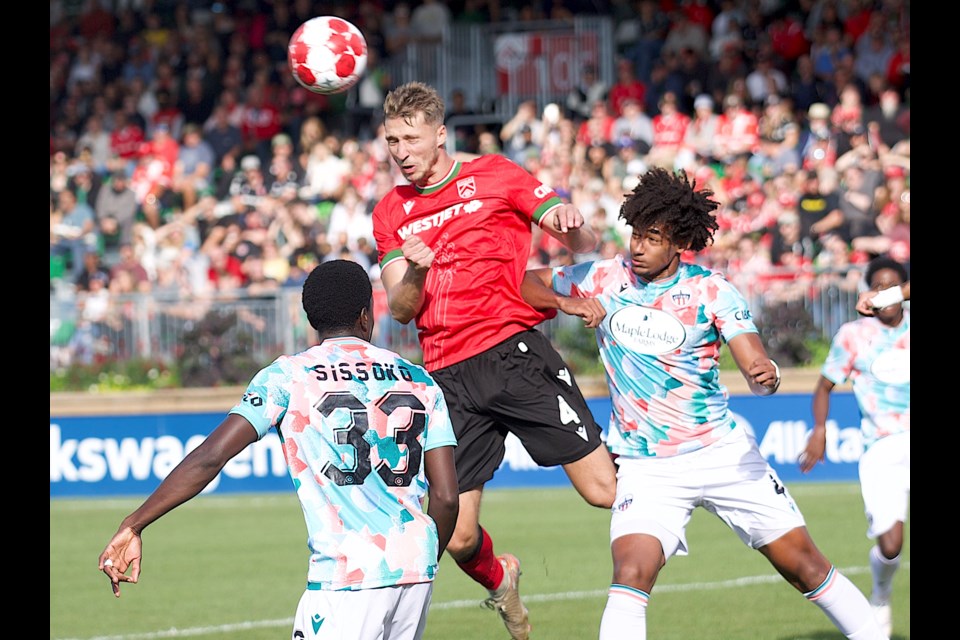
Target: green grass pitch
[234, 567]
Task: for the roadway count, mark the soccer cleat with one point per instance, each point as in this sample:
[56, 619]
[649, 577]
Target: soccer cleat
[884, 617]
[505, 600]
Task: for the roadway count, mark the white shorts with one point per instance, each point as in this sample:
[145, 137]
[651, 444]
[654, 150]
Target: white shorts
[885, 482]
[388, 613]
[729, 478]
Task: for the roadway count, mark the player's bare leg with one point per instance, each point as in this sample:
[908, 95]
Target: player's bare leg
[890, 541]
[796, 557]
[472, 549]
[637, 561]
[594, 476]
[800, 562]
[466, 535]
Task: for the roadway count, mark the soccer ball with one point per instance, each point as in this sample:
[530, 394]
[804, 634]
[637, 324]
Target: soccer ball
[327, 54]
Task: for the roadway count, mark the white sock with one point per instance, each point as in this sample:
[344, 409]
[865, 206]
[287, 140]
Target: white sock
[625, 615]
[883, 570]
[846, 607]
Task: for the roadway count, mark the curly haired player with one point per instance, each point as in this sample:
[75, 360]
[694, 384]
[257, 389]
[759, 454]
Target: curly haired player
[660, 324]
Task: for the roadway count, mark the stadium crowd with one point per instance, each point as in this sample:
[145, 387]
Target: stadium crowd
[185, 160]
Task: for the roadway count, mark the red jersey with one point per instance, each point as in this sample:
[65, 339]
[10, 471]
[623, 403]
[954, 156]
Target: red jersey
[477, 221]
[737, 133]
[126, 141]
[669, 129]
[260, 122]
[620, 92]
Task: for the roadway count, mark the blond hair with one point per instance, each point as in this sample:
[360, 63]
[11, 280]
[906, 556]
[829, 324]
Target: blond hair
[409, 99]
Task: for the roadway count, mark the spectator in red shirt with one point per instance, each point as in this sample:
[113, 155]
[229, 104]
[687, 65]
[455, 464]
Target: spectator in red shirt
[150, 183]
[698, 12]
[898, 67]
[164, 145]
[260, 122]
[125, 139]
[225, 271]
[669, 130]
[598, 128]
[857, 20]
[626, 86]
[738, 131]
[97, 21]
[787, 38]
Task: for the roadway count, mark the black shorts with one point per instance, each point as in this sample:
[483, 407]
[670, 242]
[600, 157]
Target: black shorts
[520, 386]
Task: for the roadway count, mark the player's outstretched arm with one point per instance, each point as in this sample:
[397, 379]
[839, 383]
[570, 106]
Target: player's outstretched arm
[444, 493]
[536, 290]
[186, 480]
[760, 372]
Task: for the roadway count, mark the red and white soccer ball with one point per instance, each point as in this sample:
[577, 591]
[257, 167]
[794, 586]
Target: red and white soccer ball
[327, 54]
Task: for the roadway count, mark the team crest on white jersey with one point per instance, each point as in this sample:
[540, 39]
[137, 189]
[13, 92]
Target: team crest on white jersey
[466, 187]
[407, 206]
[680, 296]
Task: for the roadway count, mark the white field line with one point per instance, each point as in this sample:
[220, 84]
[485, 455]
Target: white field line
[285, 501]
[195, 632]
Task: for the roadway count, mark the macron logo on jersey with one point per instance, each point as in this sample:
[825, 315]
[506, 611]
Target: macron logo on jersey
[407, 206]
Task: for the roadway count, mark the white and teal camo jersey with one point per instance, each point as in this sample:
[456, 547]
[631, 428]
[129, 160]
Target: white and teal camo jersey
[355, 421]
[876, 358]
[660, 345]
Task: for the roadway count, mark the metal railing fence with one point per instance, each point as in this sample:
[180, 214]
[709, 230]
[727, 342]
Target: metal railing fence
[162, 329]
[498, 66]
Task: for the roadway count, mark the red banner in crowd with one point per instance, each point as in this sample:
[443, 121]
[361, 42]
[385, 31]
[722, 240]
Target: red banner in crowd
[529, 64]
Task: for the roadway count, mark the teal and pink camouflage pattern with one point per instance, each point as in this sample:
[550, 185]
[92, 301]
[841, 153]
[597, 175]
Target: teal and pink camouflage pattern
[355, 420]
[660, 345]
[876, 359]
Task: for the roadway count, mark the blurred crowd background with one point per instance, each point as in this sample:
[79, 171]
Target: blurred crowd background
[186, 165]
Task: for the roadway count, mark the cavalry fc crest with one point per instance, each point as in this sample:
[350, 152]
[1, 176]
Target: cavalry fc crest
[466, 187]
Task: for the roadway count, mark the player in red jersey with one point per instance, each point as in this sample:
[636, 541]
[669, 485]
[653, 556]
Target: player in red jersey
[453, 248]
